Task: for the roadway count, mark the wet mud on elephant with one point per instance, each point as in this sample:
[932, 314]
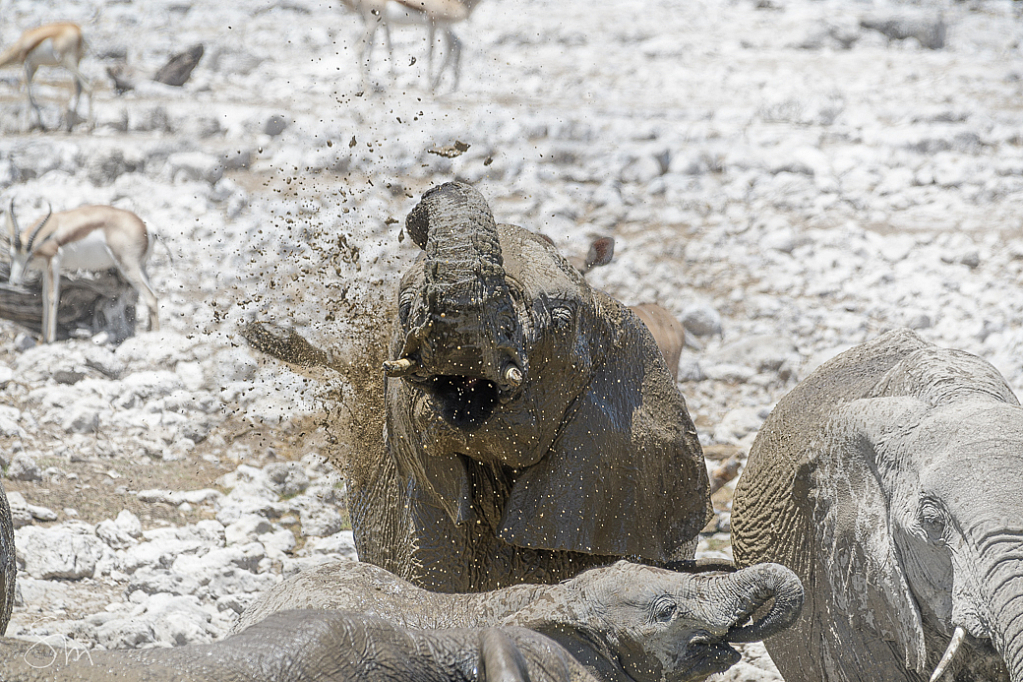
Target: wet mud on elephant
[531, 426]
[626, 622]
[890, 481]
[305, 646]
[621, 623]
[532, 418]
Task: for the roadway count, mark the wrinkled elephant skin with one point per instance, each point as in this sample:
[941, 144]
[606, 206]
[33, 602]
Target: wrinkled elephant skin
[889, 481]
[299, 646]
[534, 425]
[624, 622]
[627, 622]
[8, 562]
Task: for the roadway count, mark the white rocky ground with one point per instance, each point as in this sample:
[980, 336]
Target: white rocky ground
[784, 179]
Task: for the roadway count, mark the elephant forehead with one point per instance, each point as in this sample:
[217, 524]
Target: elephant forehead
[960, 447]
[970, 428]
[990, 466]
[536, 265]
[974, 428]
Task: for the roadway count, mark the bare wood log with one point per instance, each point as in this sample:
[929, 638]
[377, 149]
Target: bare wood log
[179, 68]
[90, 302]
[175, 72]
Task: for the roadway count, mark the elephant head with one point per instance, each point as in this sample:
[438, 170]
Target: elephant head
[533, 422]
[638, 623]
[890, 482]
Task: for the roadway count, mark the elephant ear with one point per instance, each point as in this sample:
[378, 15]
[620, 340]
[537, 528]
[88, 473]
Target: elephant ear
[625, 475]
[874, 620]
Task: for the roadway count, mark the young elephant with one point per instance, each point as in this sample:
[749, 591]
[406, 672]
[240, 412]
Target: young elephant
[301, 646]
[623, 622]
[889, 481]
[531, 420]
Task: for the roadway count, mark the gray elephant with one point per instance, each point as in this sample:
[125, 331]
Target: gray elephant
[532, 428]
[622, 622]
[532, 421]
[889, 481]
[8, 562]
[311, 646]
[627, 622]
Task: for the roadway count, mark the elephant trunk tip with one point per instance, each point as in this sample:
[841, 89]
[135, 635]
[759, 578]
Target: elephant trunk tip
[776, 589]
[445, 205]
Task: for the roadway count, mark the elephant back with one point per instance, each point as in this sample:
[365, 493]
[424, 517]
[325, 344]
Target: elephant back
[8, 562]
[772, 503]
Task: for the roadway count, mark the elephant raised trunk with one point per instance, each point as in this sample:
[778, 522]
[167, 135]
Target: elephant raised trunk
[464, 337]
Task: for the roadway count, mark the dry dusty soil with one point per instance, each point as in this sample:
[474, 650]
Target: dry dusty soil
[785, 178]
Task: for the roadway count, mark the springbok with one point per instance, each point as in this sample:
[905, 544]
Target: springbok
[94, 238]
[59, 44]
[437, 15]
[666, 329]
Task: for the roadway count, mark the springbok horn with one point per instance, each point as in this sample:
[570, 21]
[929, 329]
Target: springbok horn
[12, 226]
[399, 368]
[950, 652]
[35, 232]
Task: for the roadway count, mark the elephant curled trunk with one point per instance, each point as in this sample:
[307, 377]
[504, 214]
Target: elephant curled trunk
[756, 586]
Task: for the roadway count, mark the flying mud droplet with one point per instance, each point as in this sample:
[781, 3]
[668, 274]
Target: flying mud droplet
[450, 151]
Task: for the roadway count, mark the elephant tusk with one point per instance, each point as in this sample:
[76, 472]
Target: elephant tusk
[399, 368]
[513, 375]
[950, 652]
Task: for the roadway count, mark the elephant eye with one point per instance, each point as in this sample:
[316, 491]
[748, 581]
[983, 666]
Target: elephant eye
[404, 305]
[932, 521]
[561, 316]
[664, 609]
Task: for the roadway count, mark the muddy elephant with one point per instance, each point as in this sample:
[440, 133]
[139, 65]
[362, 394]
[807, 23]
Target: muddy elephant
[889, 481]
[625, 622]
[622, 622]
[301, 646]
[8, 562]
[533, 425]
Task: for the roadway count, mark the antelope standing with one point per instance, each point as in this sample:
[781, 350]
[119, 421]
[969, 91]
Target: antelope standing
[59, 44]
[437, 15]
[92, 238]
